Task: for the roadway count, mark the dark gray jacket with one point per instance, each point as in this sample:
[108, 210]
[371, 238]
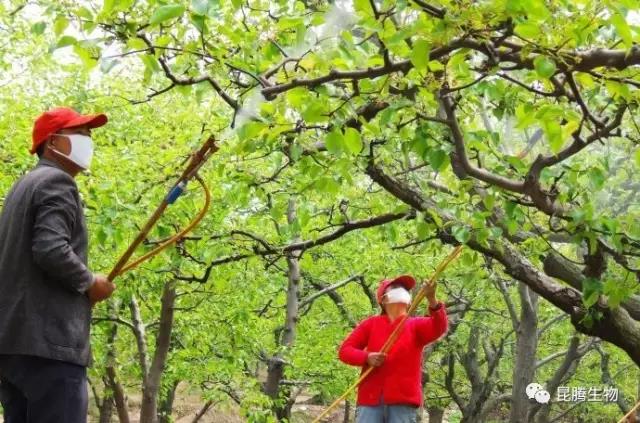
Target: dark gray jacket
[44, 310]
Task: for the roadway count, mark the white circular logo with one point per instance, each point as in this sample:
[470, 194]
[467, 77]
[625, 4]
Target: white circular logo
[542, 396]
[537, 392]
[532, 388]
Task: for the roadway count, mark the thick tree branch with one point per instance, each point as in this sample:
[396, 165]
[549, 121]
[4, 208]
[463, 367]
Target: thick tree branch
[615, 325]
[461, 155]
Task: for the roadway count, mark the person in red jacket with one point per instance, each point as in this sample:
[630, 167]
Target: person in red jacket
[392, 392]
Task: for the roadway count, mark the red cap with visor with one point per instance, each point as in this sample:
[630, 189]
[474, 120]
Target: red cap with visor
[59, 118]
[406, 281]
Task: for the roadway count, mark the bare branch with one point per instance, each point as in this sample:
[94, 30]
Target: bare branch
[328, 289]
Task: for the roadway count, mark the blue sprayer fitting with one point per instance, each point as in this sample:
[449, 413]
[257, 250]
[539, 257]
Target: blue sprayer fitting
[175, 192]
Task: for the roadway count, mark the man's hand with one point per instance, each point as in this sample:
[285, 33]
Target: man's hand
[101, 289]
[430, 291]
[375, 359]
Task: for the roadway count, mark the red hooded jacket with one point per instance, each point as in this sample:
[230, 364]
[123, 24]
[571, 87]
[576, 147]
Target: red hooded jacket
[398, 380]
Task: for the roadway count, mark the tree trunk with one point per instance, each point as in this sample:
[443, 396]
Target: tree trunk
[276, 364]
[607, 379]
[105, 409]
[118, 393]
[567, 368]
[166, 404]
[150, 390]
[436, 414]
[347, 412]
[525, 355]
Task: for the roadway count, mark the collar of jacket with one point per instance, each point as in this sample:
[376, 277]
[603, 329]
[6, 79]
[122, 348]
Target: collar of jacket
[50, 163]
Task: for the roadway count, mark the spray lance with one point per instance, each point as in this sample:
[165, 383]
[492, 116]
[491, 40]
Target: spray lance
[190, 172]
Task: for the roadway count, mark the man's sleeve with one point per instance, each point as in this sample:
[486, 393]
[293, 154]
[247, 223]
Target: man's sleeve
[352, 351]
[428, 329]
[55, 216]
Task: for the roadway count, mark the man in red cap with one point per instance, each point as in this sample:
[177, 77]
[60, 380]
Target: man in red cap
[392, 392]
[46, 289]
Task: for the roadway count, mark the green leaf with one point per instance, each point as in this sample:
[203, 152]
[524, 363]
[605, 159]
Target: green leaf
[313, 113]
[353, 141]
[525, 115]
[250, 130]
[461, 233]
[423, 229]
[637, 157]
[545, 67]
[510, 208]
[200, 7]
[591, 290]
[618, 90]
[437, 159]
[328, 185]
[597, 177]
[60, 24]
[136, 44]
[38, 28]
[66, 40]
[622, 28]
[435, 65]
[527, 30]
[334, 142]
[150, 62]
[553, 132]
[85, 55]
[164, 13]
[198, 21]
[107, 6]
[362, 6]
[569, 128]
[420, 54]
[102, 236]
[615, 291]
[85, 13]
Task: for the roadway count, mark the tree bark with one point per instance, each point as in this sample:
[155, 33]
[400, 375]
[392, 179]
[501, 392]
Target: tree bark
[139, 332]
[474, 408]
[150, 390]
[119, 396]
[347, 412]
[105, 408]
[166, 404]
[622, 402]
[525, 355]
[436, 415]
[567, 368]
[558, 267]
[276, 364]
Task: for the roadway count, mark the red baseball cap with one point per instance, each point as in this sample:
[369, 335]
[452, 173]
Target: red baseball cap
[405, 280]
[60, 118]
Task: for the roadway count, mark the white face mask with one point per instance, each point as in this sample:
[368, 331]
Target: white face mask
[81, 149]
[398, 295]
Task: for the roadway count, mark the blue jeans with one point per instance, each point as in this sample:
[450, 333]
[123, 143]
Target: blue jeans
[39, 390]
[386, 414]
